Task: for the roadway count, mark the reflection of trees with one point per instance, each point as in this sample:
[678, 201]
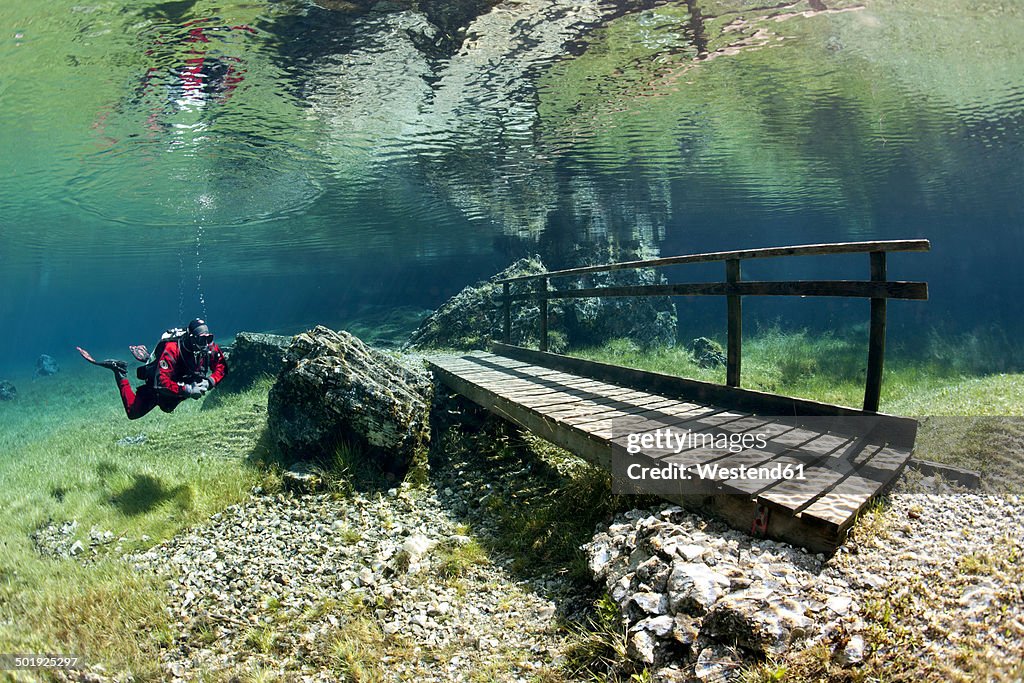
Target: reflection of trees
[467, 127]
[760, 103]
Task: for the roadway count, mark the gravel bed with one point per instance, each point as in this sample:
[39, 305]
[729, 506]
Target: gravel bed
[931, 584]
[273, 583]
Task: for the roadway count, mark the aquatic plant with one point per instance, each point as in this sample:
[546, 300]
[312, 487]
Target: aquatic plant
[64, 464]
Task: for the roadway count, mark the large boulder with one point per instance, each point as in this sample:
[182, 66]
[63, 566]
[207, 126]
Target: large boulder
[473, 318]
[254, 355]
[46, 366]
[7, 390]
[335, 390]
[649, 321]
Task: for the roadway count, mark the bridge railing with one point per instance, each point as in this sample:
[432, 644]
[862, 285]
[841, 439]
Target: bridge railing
[879, 289]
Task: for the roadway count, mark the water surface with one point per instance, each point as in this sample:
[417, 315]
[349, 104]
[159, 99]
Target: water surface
[275, 164]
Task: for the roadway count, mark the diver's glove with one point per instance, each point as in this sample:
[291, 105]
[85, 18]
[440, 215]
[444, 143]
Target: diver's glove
[192, 391]
[204, 385]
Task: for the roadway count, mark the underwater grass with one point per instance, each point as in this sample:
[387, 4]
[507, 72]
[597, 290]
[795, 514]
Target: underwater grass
[968, 418]
[946, 378]
[61, 463]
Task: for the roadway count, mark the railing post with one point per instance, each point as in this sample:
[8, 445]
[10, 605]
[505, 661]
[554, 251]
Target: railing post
[506, 325]
[543, 294]
[735, 312]
[876, 342]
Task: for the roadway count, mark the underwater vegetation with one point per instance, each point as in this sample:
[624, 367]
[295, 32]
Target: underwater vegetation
[83, 487]
[945, 377]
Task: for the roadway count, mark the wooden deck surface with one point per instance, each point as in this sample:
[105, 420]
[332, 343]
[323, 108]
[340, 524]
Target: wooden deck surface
[843, 470]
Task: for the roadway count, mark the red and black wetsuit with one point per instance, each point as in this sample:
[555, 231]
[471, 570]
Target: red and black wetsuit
[175, 368]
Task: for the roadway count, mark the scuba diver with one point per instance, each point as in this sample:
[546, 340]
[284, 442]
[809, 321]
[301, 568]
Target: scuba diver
[185, 364]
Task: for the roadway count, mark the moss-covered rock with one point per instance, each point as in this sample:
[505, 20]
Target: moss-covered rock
[472, 319]
[707, 352]
[647, 321]
[336, 390]
[253, 355]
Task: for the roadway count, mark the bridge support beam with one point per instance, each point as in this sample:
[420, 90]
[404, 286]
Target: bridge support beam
[876, 342]
[543, 301]
[734, 357]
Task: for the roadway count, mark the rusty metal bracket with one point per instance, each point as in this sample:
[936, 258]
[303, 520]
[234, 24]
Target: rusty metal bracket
[759, 527]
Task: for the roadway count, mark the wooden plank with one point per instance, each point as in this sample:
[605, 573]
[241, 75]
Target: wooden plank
[899, 431]
[839, 507]
[557, 433]
[735, 326]
[537, 375]
[673, 415]
[583, 411]
[537, 384]
[548, 401]
[864, 289]
[507, 366]
[618, 412]
[842, 503]
[553, 400]
[753, 487]
[766, 252]
[666, 403]
[671, 421]
[795, 495]
[876, 339]
[534, 386]
[498, 377]
[782, 449]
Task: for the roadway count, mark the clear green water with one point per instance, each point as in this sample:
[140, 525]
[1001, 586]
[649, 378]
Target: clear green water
[275, 164]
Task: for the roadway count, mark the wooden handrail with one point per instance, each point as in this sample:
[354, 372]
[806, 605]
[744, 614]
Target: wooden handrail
[864, 289]
[768, 252]
[878, 289]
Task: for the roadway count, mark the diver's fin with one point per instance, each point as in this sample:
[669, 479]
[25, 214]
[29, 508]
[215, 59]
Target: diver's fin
[85, 355]
[140, 352]
[119, 367]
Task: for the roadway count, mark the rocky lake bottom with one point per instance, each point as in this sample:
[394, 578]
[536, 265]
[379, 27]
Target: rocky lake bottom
[410, 583]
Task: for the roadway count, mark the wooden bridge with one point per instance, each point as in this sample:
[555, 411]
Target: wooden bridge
[601, 412]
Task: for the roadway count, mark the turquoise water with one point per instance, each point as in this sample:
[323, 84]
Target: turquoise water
[275, 164]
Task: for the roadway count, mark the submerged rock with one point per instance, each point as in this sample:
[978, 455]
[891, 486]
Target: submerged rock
[7, 390]
[853, 653]
[46, 366]
[702, 597]
[254, 355]
[301, 477]
[648, 321]
[693, 587]
[753, 621]
[708, 353]
[335, 390]
[472, 319]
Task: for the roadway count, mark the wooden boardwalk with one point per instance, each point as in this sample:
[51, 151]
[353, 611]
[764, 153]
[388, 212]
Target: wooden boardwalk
[843, 457]
[590, 408]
